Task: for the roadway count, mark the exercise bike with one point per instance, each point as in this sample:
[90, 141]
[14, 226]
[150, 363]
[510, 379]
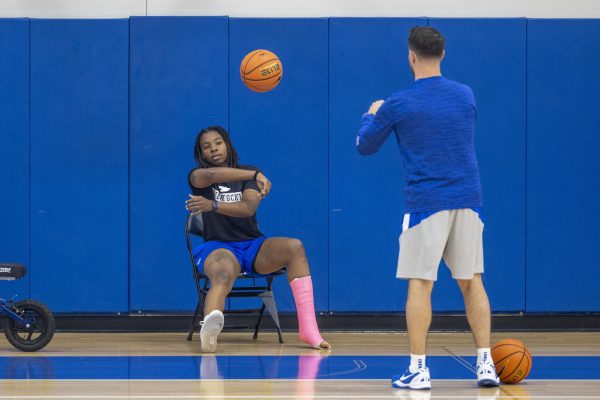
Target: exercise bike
[29, 325]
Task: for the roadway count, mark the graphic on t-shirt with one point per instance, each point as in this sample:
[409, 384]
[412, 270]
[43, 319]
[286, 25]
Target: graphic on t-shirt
[221, 227]
[233, 197]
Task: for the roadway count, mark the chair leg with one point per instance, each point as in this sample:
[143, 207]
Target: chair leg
[193, 323]
[279, 333]
[269, 302]
[257, 327]
[199, 312]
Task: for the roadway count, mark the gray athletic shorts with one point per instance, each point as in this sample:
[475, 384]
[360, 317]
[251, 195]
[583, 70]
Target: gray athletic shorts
[454, 235]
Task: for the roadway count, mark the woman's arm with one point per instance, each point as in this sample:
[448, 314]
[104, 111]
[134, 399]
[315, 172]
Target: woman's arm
[204, 177]
[242, 209]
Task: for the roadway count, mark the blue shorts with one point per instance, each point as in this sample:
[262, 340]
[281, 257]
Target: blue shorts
[245, 252]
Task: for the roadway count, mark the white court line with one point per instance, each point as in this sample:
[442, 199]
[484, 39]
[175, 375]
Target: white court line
[460, 360]
[360, 366]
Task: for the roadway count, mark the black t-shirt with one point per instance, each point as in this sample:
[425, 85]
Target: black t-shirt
[222, 227]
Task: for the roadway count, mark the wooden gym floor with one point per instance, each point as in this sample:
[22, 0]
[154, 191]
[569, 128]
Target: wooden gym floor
[167, 366]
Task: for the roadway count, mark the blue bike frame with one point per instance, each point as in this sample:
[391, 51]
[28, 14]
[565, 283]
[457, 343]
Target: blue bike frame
[6, 307]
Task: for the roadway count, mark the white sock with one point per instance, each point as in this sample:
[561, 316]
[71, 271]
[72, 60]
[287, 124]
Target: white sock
[416, 361]
[483, 355]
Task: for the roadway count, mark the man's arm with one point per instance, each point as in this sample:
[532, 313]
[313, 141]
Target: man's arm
[204, 177]
[243, 209]
[375, 127]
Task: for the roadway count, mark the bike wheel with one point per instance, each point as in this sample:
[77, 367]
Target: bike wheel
[37, 333]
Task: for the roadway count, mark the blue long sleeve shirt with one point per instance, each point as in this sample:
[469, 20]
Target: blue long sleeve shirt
[434, 123]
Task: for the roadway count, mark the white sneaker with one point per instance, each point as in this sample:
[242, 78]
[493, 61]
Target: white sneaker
[419, 380]
[486, 374]
[211, 327]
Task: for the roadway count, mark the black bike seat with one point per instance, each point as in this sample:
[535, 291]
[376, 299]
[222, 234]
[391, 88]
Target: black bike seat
[11, 271]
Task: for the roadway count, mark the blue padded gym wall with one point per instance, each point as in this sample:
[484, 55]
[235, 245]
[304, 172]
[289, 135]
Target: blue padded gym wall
[284, 132]
[99, 119]
[489, 56]
[179, 81]
[14, 152]
[368, 62]
[79, 152]
[563, 185]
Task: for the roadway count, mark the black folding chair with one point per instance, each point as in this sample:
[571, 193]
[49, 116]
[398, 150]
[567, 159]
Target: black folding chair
[193, 227]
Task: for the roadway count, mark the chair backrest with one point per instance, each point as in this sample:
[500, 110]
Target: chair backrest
[193, 226]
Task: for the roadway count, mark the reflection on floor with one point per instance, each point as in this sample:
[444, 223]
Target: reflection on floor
[272, 367]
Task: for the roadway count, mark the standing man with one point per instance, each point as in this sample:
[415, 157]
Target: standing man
[434, 122]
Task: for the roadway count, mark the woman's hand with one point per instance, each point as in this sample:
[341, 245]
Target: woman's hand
[264, 185]
[197, 204]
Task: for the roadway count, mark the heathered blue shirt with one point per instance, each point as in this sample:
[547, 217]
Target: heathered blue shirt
[434, 122]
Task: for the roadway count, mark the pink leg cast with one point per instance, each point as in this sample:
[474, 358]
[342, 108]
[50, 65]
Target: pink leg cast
[305, 307]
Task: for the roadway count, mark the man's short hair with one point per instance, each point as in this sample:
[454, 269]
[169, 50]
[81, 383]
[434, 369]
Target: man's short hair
[426, 42]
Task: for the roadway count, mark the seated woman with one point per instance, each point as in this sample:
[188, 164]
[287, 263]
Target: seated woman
[228, 195]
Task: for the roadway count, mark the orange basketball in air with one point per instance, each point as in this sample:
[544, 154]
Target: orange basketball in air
[512, 360]
[261, 70]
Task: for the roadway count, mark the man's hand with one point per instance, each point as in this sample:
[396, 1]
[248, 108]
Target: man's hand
[264, 185]
[197, 204]
[375, 106]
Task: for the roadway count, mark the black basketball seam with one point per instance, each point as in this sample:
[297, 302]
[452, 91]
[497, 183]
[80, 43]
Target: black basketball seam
[243, 71]
[501, 369]
[517, 366]
[505, 357]
[509, 344]
[262, 90]
[243, 66]
[263, 79]
[521, 362]
[254, 87]
[260, 65]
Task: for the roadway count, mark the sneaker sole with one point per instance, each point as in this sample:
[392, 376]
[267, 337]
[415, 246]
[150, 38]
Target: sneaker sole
[414, 387]
[213, 324]
[487, 383]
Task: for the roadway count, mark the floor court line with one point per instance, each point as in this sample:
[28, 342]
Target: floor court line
[360, 366]
[461, 360]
